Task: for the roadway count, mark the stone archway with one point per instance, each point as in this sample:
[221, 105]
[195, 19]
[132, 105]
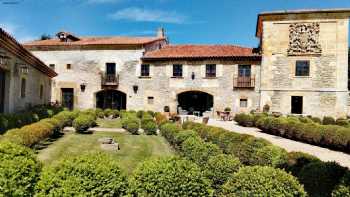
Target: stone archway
[195, 101]
[112, 99]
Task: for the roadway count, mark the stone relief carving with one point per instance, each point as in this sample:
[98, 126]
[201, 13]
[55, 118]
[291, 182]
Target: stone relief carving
[304, 39]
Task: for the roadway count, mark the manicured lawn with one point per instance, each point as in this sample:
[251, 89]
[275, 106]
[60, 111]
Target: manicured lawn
[106, 123]
[133, 148]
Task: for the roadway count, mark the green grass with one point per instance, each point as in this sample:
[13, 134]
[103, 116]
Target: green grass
[133, 148]
[106, 123]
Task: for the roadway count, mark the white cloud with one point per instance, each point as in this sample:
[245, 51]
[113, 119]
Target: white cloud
[144, 15]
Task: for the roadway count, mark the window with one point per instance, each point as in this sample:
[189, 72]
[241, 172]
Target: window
[150, 100]
[41, 93]
[110, 69]
[302, 68]
[243, 103]
[177, 70]
[52, 66]
[210, 70]
[244, 70]
[145, 70]
[23, 88]
[69, 66]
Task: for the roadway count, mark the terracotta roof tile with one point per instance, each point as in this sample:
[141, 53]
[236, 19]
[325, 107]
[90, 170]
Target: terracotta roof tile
[200, 51]
[96, 41]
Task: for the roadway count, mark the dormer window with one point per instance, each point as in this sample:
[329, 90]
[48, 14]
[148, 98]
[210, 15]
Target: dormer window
[66, 37]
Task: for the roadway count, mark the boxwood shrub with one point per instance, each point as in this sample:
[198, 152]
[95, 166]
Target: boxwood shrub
[320, 178]
[169, 131]
[169, 177]
[19, 170]
[182, 136]
[343, 189]
[297, 160]
[83, 122]
[220, 167]
[271, 155]
[132, 125]
[92, 174]
[262, 181]
[304, 129]
[150, 128]
[198, 151]
[328, 120]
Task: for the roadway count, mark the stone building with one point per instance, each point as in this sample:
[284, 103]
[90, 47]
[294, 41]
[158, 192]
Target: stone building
[304, 68]
[300, 67]
[96, 71]
[24, 80]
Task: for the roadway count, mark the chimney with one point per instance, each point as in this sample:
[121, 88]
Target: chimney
[160, 33]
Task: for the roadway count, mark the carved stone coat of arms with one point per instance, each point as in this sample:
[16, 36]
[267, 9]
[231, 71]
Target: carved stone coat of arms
[304, 39]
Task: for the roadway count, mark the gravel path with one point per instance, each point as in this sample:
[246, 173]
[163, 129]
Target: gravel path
[323, 153]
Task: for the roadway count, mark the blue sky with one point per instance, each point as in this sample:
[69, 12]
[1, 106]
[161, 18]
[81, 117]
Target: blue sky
[186, 21]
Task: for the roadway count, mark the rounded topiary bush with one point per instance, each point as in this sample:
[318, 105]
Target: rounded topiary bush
[169, 131]
[262, 181]
[132, 125]
[93, 174]
[169, 177]
[198, 151]
[320, 178]
[243, 119]
[297, 160]
[273, 156]
[83, 122]
[328, 120]
[182, 136]
[108, 112]
[343, 189]
[220, 167]
[150, 128]
[19, 170]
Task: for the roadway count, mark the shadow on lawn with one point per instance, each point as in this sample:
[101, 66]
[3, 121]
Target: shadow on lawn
[45, 143]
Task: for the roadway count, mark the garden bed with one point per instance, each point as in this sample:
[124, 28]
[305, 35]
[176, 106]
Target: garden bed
[133, 148]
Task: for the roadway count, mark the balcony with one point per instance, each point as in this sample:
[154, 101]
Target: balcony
[110, 80]
[244, 82]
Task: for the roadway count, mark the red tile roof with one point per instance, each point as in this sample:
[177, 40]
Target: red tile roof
[200, 51]
[10, 44]
[117, 40]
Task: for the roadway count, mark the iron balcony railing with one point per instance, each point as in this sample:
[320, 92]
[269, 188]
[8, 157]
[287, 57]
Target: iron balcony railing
[244, 82]
[110, 79]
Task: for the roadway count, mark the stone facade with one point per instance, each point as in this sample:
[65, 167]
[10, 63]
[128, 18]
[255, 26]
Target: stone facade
[14, 69]
[321, 39]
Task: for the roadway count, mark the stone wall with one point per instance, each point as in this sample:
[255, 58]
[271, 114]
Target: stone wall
[87, 67]
[325, 90]
[34, 79]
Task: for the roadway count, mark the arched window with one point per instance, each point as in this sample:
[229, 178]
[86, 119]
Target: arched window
[23, 88]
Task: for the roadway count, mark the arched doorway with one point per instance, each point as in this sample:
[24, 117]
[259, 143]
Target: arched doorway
[191, 102]
[112, 99]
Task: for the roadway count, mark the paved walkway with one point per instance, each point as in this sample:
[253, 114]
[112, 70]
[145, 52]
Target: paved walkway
[323, 153]
[119, 130]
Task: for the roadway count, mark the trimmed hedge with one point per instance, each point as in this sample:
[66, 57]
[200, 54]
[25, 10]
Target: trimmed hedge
[150, 128]
[169, 177]
[198, 151]
[320, 178]
[30, 135]
[169, 131]
[297, 160]
[262, 181]
[330, 136]
[273, 156]
[31, 115]
[93, 174]
[83, 122]
[220, 167]
[19, 170]
[343, 189]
